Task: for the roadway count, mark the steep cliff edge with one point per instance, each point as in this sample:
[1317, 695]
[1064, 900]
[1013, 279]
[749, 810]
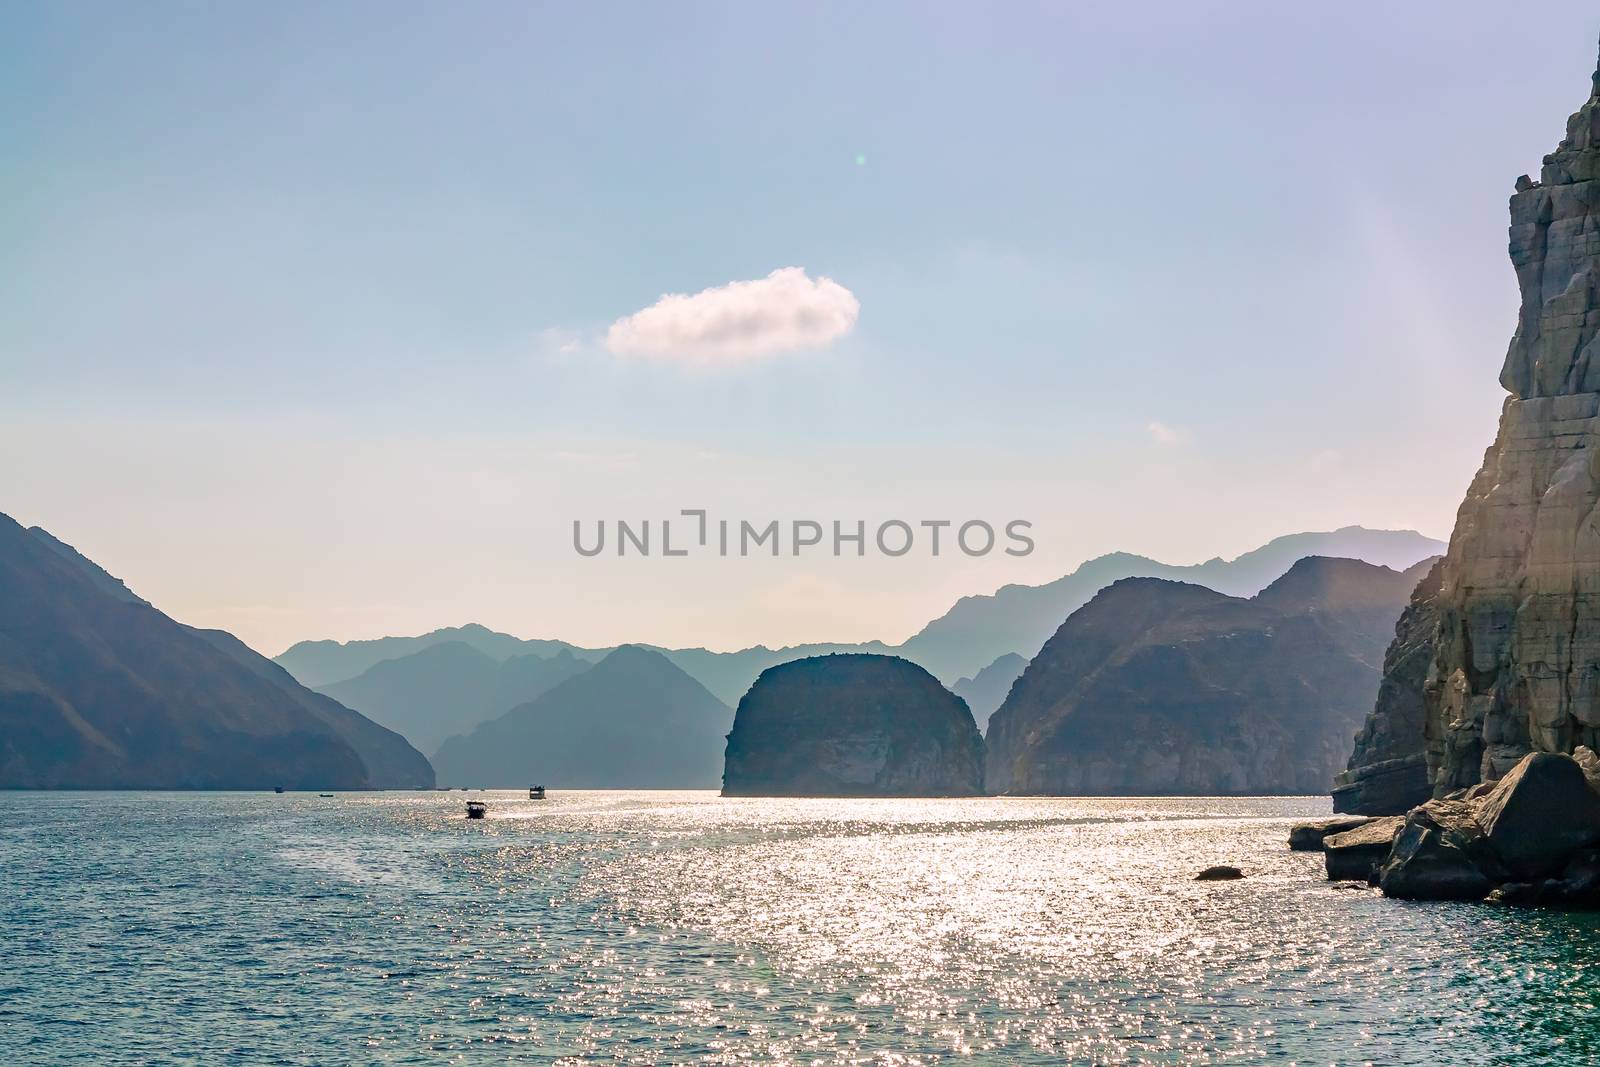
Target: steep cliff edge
[1388, 773]
[852, 725]
[1516, 661]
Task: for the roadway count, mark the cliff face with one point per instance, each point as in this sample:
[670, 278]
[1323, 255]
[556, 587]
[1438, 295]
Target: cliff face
[1516, 664]
[1158, 687]
[852, 725]
[1388, 773]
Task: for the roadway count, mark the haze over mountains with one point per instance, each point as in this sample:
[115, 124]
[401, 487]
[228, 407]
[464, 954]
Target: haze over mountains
[969, 637]
[99, 690]
[632, 721]
[449, 688]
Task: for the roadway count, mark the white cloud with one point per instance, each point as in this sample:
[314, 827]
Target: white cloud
[1163, 434]
[784, 312]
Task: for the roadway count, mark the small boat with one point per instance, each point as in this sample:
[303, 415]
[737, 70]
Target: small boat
[277, 789]
[476, 809]
[324, 794]
[536, 792]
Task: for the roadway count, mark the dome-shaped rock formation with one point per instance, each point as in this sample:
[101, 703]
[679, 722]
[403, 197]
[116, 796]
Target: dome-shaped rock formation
[852, 726]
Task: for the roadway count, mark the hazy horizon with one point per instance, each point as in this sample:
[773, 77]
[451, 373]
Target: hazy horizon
[328, 323]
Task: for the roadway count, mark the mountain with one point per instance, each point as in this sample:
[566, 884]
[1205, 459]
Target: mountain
[1388, 770]
[986, 691]
[970, 636]
[319, 664]
[449, 688]
[632, 721]
[1019, 618]
[851, 726]
[98, 690]
[1159, 687]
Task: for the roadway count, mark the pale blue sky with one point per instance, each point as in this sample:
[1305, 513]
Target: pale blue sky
[284, 290]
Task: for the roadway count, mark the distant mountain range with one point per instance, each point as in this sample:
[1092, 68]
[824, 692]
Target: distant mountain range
[99, 690]
[986, 690]
[449, 688]
[1159, 687]
[960, 647]
[632, 721]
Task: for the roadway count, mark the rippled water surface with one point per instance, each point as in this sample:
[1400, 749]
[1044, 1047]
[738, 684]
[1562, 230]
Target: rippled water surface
[680, 927]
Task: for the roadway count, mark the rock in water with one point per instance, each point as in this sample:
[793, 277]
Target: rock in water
[1516, 664]
[1309, 836]
[1355, 854]
[852, 725]
[1388, 771]
[1440, 854]
[1220, 873]
[1539, 815]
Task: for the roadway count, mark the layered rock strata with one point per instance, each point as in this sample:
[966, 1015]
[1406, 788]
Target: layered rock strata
[1516, 660]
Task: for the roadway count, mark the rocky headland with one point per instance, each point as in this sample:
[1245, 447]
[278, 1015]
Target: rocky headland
[852, 725]
[100, 690]
[1161, 688]
[1508, 671]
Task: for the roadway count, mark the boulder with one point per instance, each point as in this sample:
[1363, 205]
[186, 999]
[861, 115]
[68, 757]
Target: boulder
[1539, 814]
[1590, 764]
[1578, 886]
[1219, 873]
[1441, 853]
[1355, 854]
[1308, 836]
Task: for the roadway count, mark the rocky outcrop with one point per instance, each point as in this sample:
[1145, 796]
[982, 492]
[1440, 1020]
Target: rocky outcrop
[1158, 687]
[1388, 772]
[852, 725]
[1530, 838]
[1516, 664]
[99, 690]
[1356, 854]
[1309, 836]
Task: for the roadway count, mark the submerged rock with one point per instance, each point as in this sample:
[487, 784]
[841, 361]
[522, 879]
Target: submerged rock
[1220, 873]
[852, 725]
[1355, 854]
[1309, 836]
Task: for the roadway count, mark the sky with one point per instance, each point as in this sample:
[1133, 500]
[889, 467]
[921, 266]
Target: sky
[330, 320]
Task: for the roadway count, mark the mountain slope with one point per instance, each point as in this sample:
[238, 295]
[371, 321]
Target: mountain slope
[632, 721]
[1019, 618]
[98, 689]
[1158, 687]
[449, 688]
[985, 691]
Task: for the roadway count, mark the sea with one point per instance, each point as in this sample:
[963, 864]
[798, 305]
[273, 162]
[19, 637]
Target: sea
[680, 927]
